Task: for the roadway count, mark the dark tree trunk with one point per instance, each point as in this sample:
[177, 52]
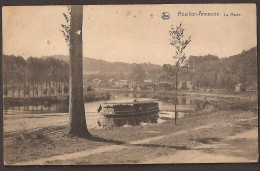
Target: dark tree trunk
[41, 88]
[53, 88]
[28, 89]
[77, 121]
[56, 87]
[176, 90]
[24, 86]
[46, 89]
[33, 87]
[176, 84]
[37, 89]
[59, 88]
[50, 91]
[175, 108]
[13, 89]
[19, 89]
[6, 87]
[53, 85]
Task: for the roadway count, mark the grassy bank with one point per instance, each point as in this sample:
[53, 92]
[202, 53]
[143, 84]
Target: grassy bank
[88, 97]
[96, 96]
[166, 95]
[30, 145]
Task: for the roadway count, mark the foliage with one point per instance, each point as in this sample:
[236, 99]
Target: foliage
[137, 74]
[89, 88]
[211, 72]
[17, 70]
[180, 57]
[179, 44]
[66, 27]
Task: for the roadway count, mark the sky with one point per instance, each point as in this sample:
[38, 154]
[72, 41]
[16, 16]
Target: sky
[130, 33]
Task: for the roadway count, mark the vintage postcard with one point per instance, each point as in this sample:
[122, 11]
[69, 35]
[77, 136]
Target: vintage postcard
[130, 84]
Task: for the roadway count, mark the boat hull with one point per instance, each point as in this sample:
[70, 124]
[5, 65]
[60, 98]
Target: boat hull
[134, 109]
[137, 114]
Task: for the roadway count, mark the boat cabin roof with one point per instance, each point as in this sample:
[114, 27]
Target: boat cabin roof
[133, 102]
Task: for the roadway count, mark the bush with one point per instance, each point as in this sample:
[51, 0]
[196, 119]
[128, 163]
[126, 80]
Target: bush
[95, 96]
[89, 88]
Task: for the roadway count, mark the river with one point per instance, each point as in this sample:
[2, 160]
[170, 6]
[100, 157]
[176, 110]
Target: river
[95, 120]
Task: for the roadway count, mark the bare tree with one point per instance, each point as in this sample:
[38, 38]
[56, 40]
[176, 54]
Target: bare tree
[176, 36]
[77, 121]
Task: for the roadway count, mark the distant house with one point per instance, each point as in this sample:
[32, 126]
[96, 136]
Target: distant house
[122, 83]
[166, 85]
[240, 87]
[132, 86]
[185, 85]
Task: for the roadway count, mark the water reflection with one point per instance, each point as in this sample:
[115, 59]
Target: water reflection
[34, 109]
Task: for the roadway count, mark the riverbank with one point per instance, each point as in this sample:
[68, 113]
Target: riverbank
[105, 94]
[168, 94]
[126, 145]
[88, 97]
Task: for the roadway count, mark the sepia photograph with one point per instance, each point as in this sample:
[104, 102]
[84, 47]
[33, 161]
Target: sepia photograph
[130, 84]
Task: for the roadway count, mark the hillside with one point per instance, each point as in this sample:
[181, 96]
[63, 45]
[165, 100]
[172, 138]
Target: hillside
[98, 65]
[204, 72]
[213, 72]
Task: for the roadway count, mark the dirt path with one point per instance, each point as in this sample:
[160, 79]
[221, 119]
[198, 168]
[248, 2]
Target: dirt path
[243, 145]
[86, 153]
[200, 153]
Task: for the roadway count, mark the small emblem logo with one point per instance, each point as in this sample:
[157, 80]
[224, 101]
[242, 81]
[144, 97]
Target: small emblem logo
[165, 16]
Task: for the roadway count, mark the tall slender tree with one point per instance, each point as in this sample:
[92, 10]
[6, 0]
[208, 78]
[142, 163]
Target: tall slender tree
[176, 36]
[77, 121]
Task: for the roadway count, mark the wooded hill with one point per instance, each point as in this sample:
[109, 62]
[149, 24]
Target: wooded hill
[211, 72]
[91, 64]
[204, 72]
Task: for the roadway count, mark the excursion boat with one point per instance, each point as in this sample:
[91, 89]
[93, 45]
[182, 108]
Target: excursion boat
[128, 109]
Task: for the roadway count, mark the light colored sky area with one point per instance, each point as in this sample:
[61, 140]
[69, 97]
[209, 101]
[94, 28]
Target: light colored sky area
[130, 33]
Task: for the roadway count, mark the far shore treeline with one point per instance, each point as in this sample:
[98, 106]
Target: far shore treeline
[47, 76]
[51, 74]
